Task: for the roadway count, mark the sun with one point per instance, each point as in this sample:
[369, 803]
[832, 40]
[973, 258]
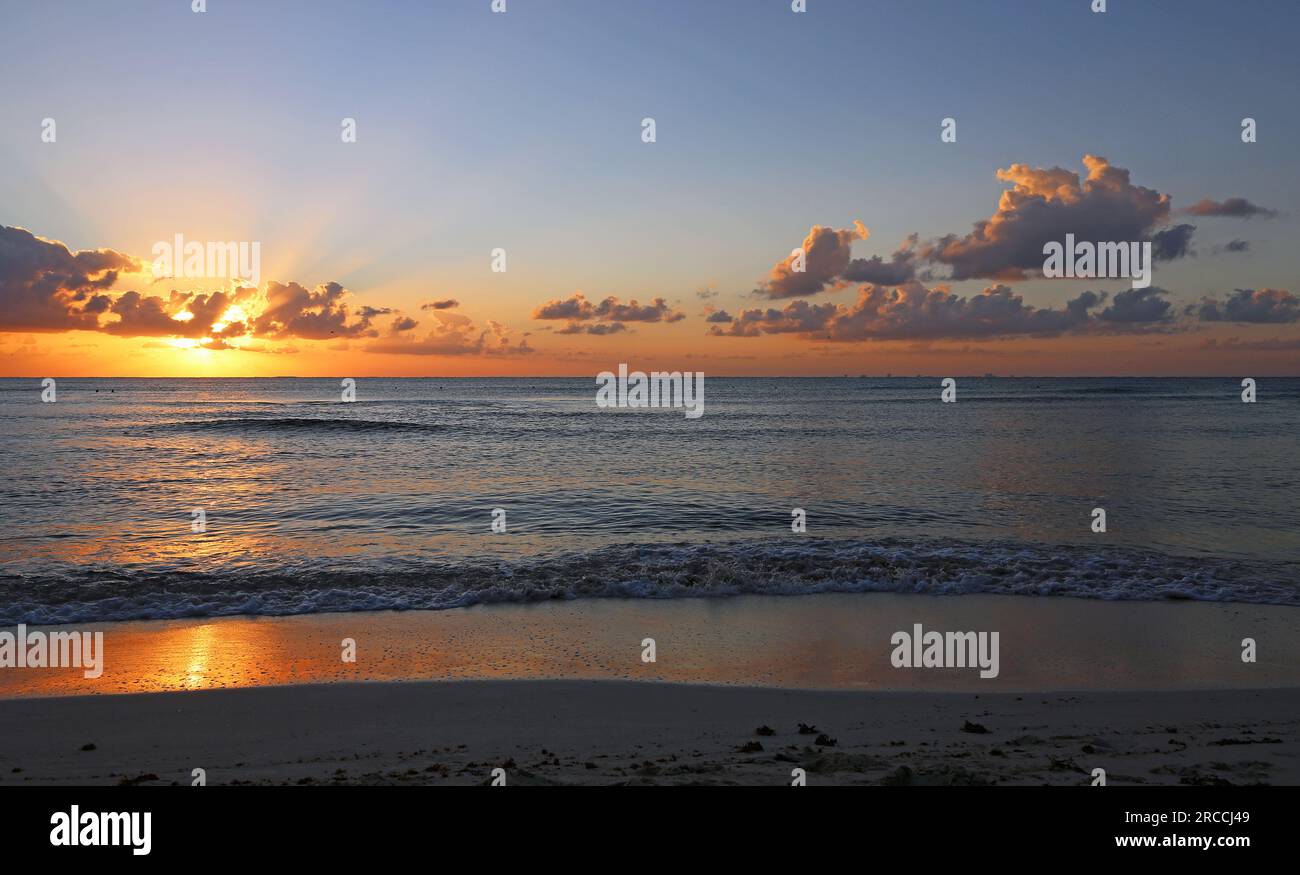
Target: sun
[234, 313]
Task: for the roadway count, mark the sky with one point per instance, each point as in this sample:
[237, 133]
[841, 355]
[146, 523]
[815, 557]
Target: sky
[478, 132]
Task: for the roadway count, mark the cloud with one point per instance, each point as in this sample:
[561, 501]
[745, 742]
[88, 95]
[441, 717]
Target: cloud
[1234, 207]
[597, 328]
[1172, 243]
[46, 287]
[1138, 306]
[797, 317]
[293, 311]
[900, 268]
[826, 256]
[578, 309]
[912, 311]
[1045, 205]
[1248, 305]
[718, 316]
[455, 335]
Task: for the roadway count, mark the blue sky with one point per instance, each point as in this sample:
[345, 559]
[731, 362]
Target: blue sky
[478, 130]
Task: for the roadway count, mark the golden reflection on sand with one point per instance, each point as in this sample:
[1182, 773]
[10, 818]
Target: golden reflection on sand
[839, 641]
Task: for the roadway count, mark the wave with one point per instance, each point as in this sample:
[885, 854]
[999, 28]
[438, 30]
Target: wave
[652, 571]
[298, 423]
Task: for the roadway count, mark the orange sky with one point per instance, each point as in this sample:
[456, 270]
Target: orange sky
[678, 346]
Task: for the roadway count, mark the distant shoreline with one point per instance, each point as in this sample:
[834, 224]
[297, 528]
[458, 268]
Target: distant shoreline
[591, 376]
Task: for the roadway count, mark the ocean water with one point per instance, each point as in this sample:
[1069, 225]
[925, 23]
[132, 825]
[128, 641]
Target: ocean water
[314, 505]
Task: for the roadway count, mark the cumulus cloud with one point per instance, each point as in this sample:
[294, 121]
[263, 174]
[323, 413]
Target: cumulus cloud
[577, 308]
[180, 315]
[911, 311]
[900, 268]
[1138, 306]
[1234, 207]
[1250, 305]
[44, 286]
[797, 317]
[294, 311]
[1044, 205]
[1172, 243]
[826, 254]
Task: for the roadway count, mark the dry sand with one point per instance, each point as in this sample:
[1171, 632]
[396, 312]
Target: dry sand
[616, 732]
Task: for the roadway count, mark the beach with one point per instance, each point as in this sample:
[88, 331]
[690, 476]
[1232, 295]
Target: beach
[612, 732]
[559, 693]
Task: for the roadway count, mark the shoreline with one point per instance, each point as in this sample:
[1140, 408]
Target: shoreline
[644, 733]
[829, 641]
[557, 693]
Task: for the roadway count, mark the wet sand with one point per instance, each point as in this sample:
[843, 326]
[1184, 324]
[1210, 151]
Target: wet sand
[829, 641]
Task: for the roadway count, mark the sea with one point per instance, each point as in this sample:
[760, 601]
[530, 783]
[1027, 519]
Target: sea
[145, 498]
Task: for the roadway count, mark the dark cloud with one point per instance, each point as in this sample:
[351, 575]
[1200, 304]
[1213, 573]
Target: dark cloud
[1133, 306]
[596, 328]
[46, 287]
[448, 304]
[912, 311]
[718, 316]
[455, 334]
[1249, 305]
[1234, 207]
[578, 309]
[797, 317]
[153, 316]
[1171, 243]
[900, 268]
[293, 311]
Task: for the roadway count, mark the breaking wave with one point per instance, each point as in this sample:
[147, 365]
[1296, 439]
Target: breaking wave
[650, 571]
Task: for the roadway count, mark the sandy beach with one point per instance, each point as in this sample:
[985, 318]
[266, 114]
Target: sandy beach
[611, 732]
[557, 693]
